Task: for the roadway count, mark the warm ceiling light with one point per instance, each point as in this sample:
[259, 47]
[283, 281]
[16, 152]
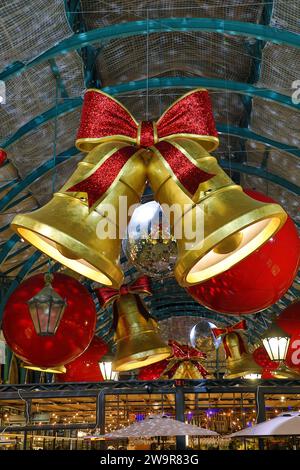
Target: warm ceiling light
[276, 341]
[106, 368]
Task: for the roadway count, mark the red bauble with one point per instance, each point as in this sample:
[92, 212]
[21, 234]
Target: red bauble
[261, 358]
[86, 368]
[259, 280]
[3, 156]
[289, 321]
[75, 331]
[153, 371]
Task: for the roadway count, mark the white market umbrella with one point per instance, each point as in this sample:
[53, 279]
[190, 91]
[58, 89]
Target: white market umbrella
[285, 424]
[160, 425]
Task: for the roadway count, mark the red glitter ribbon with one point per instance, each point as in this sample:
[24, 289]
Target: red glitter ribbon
[183, 352]
[97, 184]
[231, 329]
[105, 295]
[105, 119]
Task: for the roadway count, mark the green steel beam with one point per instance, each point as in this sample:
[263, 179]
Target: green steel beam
[250, 170]
[145, 27]
[8, 246]
[245, 133]
[34, 175]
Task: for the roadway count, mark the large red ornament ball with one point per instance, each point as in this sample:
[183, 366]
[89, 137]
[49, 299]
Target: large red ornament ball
[3, 156]
[289, 321]
[74, 333]
[85, 368]
[259, 280]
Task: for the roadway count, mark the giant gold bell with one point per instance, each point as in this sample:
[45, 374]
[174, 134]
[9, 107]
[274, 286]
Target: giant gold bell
[137, 338]
[238, 363]
[234, 225]
[66, 229]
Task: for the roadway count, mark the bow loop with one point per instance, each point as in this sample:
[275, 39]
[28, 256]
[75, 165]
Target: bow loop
[104, 119]
[107, 295]
[229, 329]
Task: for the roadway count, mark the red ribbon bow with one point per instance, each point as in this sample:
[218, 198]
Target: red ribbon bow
[104, 119]
[231, 329]
[183, 352]
[106, 295]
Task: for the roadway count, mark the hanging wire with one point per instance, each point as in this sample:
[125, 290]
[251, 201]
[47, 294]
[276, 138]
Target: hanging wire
[147, 68]
[54, 175]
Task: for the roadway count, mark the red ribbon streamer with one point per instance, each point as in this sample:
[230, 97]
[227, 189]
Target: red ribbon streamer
[100, 181]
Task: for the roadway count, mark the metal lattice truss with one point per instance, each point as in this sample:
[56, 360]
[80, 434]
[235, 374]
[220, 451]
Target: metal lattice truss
[147, 54]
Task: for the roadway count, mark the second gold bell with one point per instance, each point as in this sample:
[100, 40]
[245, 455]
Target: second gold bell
[66, 229]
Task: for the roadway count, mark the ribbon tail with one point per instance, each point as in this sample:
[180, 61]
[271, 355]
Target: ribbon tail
[184, 169]
[104, 177]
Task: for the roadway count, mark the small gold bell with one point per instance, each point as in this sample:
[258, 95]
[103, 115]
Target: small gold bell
[137, 337]
[239, 361]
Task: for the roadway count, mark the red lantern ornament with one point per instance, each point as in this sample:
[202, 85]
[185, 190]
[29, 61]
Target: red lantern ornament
[85, 368]
[259, 280]
[3, 156]
[289, 321]
[75, 330]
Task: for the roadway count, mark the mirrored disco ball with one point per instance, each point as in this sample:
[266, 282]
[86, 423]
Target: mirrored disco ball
[149, 245]
[202, 338]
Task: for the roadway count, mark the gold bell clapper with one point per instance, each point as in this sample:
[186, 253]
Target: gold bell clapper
[216, 227]
[137, 338]
[69, 228]
[239, 362]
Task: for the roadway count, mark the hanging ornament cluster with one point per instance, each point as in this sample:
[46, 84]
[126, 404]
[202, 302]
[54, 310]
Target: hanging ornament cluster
[149, 244]
[31, 327]
[136, 333]
[85, 368]
[216, 224]
[185, 363]
[259, 280]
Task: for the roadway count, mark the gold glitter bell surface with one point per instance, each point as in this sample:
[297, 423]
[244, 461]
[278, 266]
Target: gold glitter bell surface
[66, 228]
[137, 337]
[239, 362]
[233, 224]
[50, 370]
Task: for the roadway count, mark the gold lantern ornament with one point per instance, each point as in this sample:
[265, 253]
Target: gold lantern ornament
[137, 338]
[239, 362]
